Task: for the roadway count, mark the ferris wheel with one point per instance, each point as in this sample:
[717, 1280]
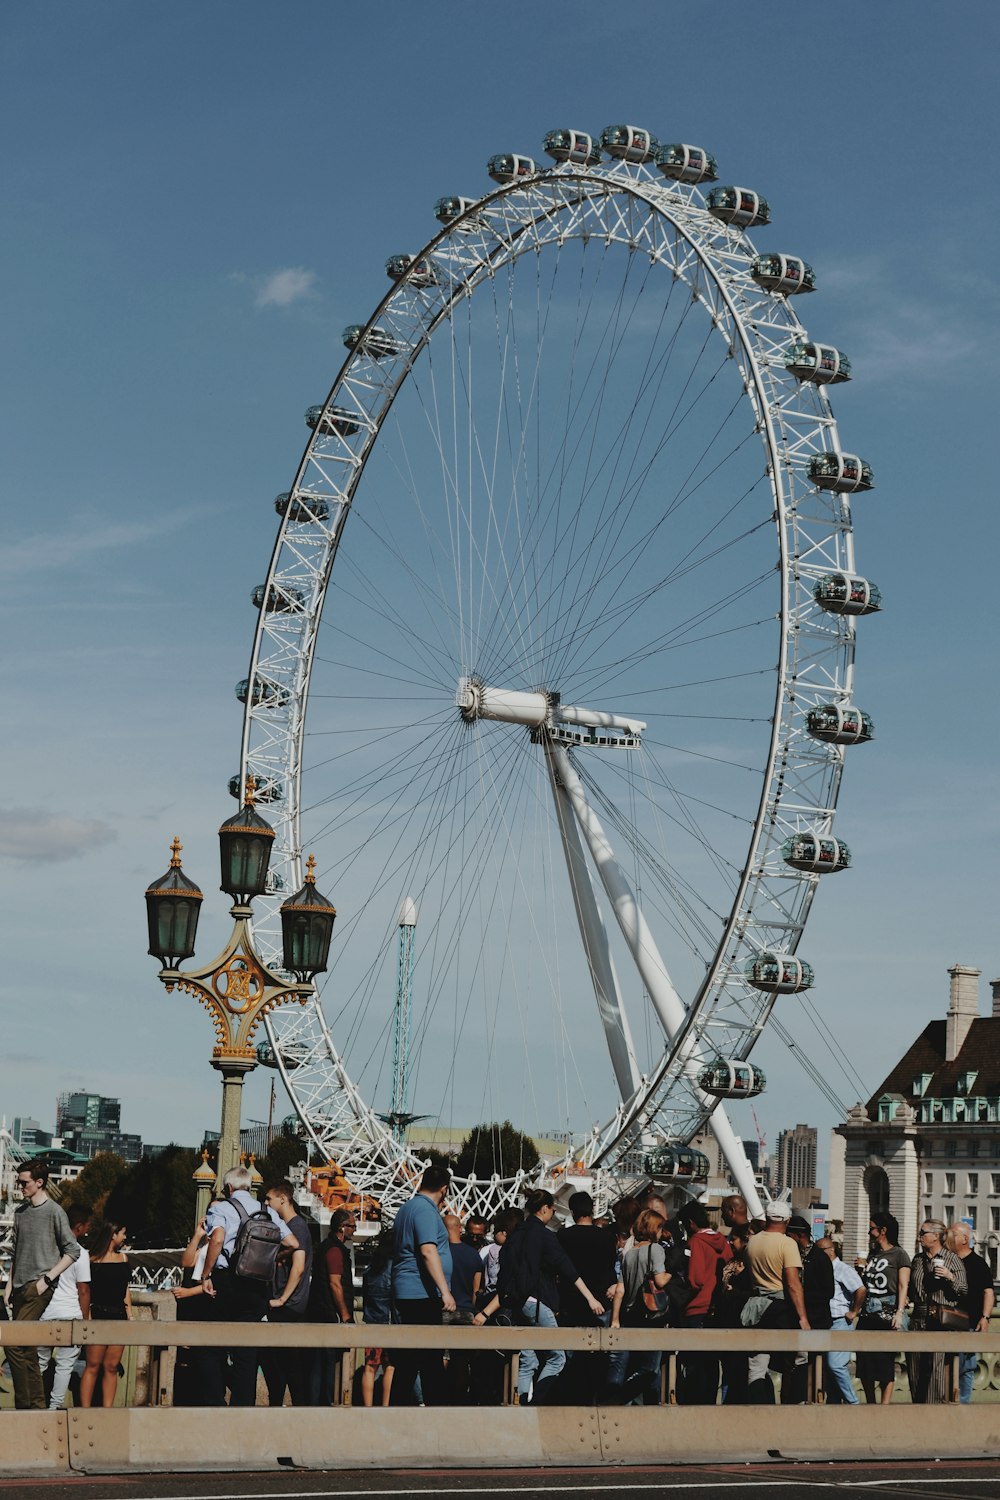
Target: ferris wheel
[556, 645]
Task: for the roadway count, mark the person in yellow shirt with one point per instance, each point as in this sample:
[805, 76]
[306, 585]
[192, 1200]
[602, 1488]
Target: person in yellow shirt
[777, 1300]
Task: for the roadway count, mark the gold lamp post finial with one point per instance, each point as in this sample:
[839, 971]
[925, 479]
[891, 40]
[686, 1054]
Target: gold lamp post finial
[311, 870]
[250, 798]
[175, 853]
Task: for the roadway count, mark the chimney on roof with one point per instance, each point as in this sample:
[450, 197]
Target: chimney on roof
[963, 1007]
[995, 987]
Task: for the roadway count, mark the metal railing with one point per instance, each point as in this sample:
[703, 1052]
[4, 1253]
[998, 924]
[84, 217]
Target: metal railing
[160, 1336]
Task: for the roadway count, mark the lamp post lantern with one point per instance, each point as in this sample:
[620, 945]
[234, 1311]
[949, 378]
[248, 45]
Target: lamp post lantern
[237, 988]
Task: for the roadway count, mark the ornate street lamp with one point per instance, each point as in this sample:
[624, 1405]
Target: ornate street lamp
[237, 988]
[307, 920]
[172, 906]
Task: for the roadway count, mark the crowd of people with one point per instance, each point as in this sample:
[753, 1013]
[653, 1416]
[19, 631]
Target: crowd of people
[639, 1266]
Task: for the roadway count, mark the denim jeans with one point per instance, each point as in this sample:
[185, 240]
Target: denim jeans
[967, 1366]
[552, 1362]
[841, 1390]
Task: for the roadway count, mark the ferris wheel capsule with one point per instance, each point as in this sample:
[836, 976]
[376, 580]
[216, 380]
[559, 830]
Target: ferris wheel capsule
[840, 725]
[628, 142]
[334, 422]
[293, 1055]
[778, 973]
[302, 507]
[374, 342]
[816, 855]
[446, 210]
[677, 1163]
[842, 594]
[787, 274]
[821, 364]
[840, 471]
[723, 1079]
[510, 167]
[266, 790]
[740, 206]
[277, 600]
[572, 145]
[418, 271]
[265, 692]
[687, 163]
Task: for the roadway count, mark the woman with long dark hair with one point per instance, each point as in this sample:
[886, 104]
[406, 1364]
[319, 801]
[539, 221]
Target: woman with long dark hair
[110, 1301]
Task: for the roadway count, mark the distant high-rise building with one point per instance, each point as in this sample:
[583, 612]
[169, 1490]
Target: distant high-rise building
[28, 1134]
[795, 1163]
[752, 1149]
[91, 1123]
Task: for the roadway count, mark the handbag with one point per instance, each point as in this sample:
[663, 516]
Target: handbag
[948, 1319]
[653, 1303]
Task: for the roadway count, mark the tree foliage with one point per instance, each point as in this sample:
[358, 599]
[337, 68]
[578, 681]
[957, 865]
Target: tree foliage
[156, 1199]
[98, 1179]
[287, 1150]
[495, 1147]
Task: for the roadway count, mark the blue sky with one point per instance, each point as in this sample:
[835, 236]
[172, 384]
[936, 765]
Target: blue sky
[201, 197]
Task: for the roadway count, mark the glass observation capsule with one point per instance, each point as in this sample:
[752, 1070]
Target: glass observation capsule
[628, 142]
[837, 725]
[293, 1055]
[572, 145]
[302, 507]
[677, 1162]
[737, 205]
[264, 692]
[509, 168]
[687, 164]
[731, 1080]
[778, 973]
[820, 363]
[376, 342]
[786, 274]
[840, 471]
[333, 423]
[418, 272]
[819, 856]
[842, 594]
[447, 209]
[267, 790]
[279, 601]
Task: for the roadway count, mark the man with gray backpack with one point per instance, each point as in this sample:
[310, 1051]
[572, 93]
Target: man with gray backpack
[244, 1241]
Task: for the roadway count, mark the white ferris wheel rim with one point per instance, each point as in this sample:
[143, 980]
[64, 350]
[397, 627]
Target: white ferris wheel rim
[624, 202]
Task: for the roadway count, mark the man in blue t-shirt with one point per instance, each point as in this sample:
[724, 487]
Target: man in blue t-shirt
[421, 1285]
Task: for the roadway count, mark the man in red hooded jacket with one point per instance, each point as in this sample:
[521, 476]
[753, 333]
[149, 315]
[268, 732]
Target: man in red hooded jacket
[707, 1252]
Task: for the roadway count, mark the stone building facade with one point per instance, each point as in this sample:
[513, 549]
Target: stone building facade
[927, 1143]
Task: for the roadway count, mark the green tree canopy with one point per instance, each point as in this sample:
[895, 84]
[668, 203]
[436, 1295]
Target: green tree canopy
[287, 1150]
[155, 1199]
[99, 1177]
[495, 1147]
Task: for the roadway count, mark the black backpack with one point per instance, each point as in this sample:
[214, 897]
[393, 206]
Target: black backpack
[258, 1241]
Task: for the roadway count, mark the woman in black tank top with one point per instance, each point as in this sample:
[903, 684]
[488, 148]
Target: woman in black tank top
[110, 1300]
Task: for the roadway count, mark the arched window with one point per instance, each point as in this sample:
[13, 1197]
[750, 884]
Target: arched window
[877, 1188]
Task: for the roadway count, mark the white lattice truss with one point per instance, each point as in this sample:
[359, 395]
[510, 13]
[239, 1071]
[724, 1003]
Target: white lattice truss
[668, 223]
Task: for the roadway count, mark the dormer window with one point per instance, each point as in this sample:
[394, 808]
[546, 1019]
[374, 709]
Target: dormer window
[964, 1083]
[886, 1109]
[920, 1084]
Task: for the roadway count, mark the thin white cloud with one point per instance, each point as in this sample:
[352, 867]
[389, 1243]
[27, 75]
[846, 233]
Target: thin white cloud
[285, 287]
[67, 546]
[32, 834]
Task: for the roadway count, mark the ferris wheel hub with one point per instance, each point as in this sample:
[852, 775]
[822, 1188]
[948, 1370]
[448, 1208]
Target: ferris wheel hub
[544, 714]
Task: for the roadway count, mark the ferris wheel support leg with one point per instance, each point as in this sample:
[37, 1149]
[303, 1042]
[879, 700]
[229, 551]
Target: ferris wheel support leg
[595, 943]
[667, 1002]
